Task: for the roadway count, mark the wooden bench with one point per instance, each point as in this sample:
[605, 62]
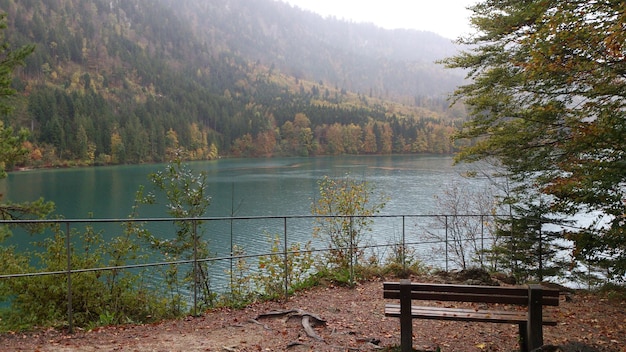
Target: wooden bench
[530, 321]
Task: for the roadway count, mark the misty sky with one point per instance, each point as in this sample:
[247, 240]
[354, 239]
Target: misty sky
[448, 18]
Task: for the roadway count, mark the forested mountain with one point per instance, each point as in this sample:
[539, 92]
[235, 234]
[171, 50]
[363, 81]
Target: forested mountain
[128, 81]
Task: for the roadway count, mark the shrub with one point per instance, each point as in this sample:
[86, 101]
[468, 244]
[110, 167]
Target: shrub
[275, 268]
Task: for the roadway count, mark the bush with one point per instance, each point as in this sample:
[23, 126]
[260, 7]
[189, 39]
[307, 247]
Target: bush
[274, 268]
[98, 297]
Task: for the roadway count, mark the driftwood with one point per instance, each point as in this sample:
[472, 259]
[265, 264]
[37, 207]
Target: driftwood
[308, 320]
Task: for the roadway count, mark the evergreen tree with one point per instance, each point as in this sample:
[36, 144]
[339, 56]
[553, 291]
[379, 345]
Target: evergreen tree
[529, 244]
[547, 99]
[11, 144]
[10, 59]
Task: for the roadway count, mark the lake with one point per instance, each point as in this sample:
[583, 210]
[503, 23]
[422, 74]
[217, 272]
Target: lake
[248, 188]
[252, 187]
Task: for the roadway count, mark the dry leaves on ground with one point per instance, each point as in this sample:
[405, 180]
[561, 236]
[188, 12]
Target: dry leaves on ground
[354, 321]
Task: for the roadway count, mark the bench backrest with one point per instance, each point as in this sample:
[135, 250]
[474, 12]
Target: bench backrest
[471, 293]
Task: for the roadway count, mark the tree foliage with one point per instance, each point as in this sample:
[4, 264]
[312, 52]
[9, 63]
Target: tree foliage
[547, 99]
[12, 150]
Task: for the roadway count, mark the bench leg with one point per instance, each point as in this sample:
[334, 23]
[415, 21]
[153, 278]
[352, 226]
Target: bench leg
[406, 321]
[534, 330]
[523, 337]
[406, 335]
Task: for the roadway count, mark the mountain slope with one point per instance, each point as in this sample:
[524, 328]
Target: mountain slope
[127, 81]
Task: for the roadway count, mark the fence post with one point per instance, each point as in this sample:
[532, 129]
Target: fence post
[286, 258]
[232, 243]
[404, 249]
[446, 222]
[195, 268]
[68, 246]
[540, 252]
[482, 241]
[351, 249]
[232, 253]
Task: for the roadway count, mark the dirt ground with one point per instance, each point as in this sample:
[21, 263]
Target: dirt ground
[354, 321]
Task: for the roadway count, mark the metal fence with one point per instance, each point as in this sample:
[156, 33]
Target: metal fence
[437, 241]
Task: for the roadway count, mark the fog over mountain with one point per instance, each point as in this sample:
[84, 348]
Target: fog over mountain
[358, 57]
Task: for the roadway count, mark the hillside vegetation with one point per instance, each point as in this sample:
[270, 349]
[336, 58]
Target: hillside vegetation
[135, 81]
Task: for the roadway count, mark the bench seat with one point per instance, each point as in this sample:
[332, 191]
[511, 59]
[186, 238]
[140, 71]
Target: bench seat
[462, 314]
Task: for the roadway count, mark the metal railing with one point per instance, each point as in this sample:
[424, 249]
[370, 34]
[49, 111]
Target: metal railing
[411, 235]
